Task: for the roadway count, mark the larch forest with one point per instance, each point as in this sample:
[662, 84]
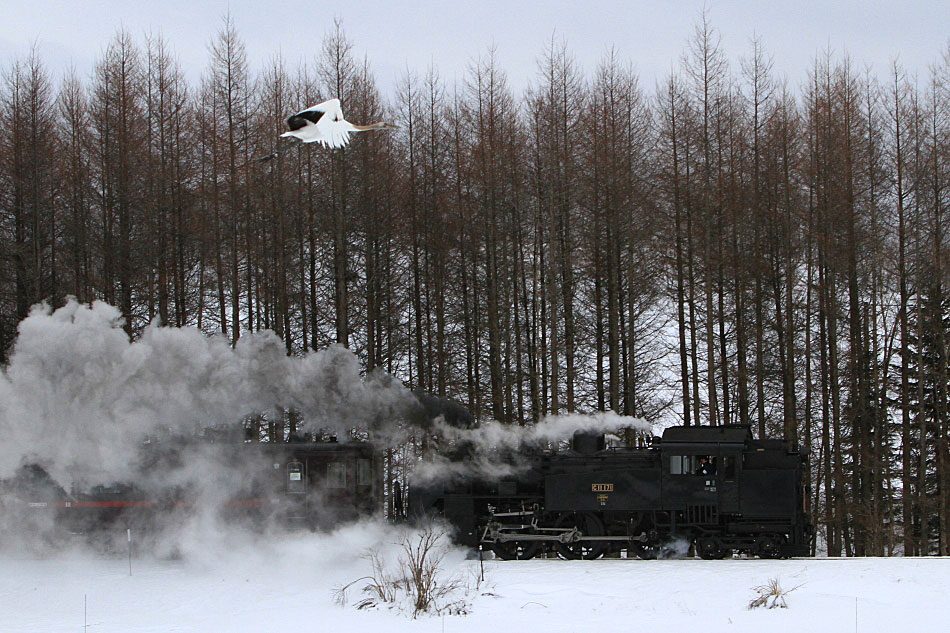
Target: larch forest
[720, 248]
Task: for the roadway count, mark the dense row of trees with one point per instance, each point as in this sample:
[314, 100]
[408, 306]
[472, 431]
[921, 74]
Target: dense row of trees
[725, 248]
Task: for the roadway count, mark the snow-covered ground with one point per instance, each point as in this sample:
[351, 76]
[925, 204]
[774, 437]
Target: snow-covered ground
[288, 585]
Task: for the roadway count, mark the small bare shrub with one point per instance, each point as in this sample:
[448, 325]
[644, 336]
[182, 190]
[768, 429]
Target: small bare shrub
[418, 578]
[421, 563]
[770, 595]
[380, 587]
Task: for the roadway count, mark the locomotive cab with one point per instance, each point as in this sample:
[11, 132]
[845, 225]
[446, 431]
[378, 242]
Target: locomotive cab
[700, 472]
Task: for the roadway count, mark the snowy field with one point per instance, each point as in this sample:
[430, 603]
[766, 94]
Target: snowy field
[288, 585]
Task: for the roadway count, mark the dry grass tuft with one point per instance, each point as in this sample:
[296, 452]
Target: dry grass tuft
[770, 595]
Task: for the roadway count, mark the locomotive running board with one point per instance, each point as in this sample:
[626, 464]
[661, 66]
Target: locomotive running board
[572, 536]
[503, 538]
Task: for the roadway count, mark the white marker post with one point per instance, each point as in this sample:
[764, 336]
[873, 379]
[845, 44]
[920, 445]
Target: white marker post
[128, 534]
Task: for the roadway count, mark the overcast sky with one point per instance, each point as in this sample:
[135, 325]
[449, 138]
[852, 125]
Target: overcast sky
[396, 34]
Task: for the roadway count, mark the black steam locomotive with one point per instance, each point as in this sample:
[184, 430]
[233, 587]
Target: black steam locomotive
[715, 489]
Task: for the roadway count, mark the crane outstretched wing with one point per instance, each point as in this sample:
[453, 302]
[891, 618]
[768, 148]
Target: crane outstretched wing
[302, 119]
[335, 136]
[330, 108]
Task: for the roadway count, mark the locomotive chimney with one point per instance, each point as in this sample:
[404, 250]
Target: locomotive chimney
[588, 443]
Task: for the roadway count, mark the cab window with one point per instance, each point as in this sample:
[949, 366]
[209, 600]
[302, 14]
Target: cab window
[729, 467]
[679, 464]
[692, 465]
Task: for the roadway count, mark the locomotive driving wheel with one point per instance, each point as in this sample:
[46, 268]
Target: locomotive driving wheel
[515, 550]
[710, 548]
[650, 548]
[769, 546]
[586, 524]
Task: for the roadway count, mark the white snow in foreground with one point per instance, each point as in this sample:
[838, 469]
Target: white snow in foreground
[288, 586]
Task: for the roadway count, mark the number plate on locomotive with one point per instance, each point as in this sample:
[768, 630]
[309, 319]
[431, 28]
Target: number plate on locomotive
[601, 487]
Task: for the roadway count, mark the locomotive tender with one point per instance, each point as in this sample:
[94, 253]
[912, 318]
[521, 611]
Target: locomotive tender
[747, 495]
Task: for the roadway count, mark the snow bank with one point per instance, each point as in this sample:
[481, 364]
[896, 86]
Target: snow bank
[289, 586]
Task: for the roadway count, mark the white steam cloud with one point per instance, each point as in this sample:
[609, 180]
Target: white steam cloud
[496, 450]
[78, 396]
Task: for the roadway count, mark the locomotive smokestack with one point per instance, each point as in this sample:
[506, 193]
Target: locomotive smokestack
[587, 443]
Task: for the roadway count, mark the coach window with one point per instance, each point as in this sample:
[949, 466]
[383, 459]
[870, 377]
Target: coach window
[363, 477]
[295, 477]
[336, 475]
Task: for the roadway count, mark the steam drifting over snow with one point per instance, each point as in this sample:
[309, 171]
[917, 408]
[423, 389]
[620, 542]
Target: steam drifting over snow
[78, 396]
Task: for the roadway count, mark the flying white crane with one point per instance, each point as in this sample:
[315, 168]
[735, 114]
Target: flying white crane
[324, 124]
